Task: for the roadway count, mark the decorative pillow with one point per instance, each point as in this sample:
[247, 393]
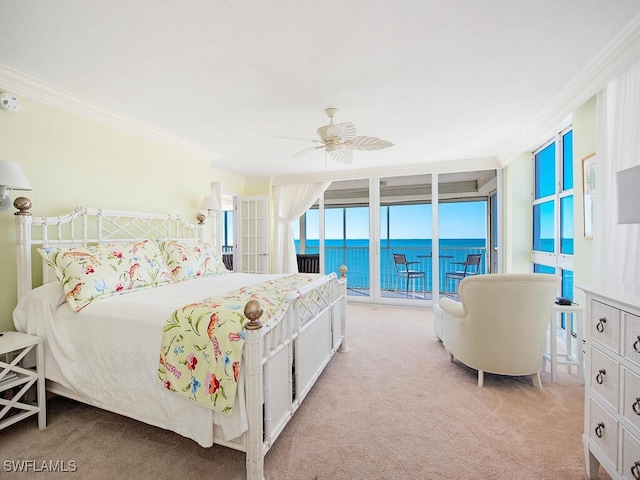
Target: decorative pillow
[191, 260]
[89, 273]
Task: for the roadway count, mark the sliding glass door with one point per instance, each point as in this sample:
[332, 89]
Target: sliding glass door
[405, 236]
[459, 239]
[380, 227]
[347, 234]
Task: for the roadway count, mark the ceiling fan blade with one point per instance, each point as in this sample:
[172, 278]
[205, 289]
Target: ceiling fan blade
[302, 153]
[300, 139]
[369, 143]
[343, 155]
[344, 131]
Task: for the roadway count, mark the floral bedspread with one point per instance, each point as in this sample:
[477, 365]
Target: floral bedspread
[201, 353]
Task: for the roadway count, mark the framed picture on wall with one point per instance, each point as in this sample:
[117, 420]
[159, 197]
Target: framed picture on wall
[589, 189]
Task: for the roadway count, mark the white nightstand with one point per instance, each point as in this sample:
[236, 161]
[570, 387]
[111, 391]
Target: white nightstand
[14, 346]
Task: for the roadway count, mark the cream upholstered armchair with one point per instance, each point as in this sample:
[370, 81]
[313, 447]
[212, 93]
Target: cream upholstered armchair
[500, 324]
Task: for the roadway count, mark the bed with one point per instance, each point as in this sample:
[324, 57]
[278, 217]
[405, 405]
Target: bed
[106, 353]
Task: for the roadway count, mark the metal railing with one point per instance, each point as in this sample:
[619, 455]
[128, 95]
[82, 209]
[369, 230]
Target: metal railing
[357, 261]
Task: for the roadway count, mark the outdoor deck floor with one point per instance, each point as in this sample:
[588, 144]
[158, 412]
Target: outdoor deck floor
[417, 295]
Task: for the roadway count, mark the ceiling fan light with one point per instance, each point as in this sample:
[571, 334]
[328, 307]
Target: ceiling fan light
[323, 133]
[331, 147]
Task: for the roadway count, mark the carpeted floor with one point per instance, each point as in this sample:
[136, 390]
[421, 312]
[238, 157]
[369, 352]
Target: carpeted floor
[393, 407]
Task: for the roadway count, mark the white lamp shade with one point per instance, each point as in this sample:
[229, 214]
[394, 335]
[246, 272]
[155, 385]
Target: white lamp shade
[209, 203]
[12, 176]
[628, 183]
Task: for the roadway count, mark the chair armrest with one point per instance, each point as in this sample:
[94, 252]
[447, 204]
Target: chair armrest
[452, 307]
[457, 263]
[411, 263]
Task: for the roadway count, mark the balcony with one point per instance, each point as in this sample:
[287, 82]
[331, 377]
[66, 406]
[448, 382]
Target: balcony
[356, 258]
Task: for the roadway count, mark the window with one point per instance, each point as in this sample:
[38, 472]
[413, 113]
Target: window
[227, 231]
[366, 220]
[552, 206]
[347, 243]
[306, 233]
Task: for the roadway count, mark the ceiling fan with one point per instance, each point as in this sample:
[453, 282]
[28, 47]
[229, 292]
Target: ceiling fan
[339, 140]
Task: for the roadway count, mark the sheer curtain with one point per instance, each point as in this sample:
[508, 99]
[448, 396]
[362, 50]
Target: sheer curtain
[616, 264]
[290, 202]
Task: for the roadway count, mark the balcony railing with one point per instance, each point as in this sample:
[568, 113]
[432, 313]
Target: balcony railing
[357, 261]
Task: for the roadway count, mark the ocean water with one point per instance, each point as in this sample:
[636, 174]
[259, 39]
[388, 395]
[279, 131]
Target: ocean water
[354, 253]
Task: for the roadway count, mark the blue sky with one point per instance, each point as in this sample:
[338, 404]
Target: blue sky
[456, 220]
[545, 186]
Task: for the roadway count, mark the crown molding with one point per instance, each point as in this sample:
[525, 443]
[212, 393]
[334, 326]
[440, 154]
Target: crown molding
[619, 54]
[21, 84]
[446, 166]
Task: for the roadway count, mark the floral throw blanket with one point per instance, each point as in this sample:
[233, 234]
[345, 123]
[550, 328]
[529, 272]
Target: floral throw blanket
[201, 353]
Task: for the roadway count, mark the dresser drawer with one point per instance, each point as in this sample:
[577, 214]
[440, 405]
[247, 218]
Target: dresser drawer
[605, 377]
[604, 325]
[631, 345]
[630, 467]
[631, 398]
[603, 432]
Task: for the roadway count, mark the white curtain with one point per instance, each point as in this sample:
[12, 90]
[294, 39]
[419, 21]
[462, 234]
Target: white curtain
[290, 202]
[616, 264]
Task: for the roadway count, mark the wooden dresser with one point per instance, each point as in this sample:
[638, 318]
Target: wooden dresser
[612, 385]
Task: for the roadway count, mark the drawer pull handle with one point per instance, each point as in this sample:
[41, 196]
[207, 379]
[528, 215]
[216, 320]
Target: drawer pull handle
[600, 376]
[600, 325]
[599, 429]
[636, 345]
[635, 470]
[636, 406]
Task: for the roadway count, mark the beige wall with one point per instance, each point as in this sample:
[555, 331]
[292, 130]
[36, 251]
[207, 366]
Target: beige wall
[518, 191]
[71, 161]
[584, 144]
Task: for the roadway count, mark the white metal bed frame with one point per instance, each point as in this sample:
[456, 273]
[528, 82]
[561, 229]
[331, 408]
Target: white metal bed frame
[307, 333]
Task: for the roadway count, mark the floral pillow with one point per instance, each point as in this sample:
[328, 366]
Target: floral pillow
[89, 273]
[191, 260]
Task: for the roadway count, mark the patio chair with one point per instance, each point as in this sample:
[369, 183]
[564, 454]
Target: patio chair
[308, 263]
[227, 259]
[404, 270]
[469, 267]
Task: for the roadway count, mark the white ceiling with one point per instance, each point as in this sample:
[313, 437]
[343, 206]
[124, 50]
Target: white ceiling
[445, 80]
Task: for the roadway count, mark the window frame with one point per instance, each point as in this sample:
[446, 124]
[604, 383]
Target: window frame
[556, 259]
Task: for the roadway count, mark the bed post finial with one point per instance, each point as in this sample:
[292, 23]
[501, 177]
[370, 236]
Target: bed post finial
[22, 204]
[343, 271]
[253, 311]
